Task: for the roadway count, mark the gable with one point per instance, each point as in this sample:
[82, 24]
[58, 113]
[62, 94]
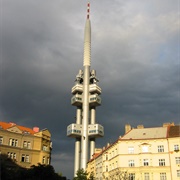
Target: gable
[14, 129]
[46, 132]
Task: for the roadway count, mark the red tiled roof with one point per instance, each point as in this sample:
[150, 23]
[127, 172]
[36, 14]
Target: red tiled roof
[6, 126]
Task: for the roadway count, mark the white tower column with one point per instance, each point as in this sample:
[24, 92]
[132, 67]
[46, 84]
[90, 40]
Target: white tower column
[85, 121]
[77, 143]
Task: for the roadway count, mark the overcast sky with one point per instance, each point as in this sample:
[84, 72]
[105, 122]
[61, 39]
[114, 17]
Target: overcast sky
[135, 52]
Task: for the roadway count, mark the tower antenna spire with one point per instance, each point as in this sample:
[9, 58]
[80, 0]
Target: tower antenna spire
[88, 10]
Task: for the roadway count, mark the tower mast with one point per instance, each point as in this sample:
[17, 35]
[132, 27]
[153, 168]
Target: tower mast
[85, 97]
[85, 105]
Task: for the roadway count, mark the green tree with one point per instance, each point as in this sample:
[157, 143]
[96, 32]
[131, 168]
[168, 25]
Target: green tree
[91, 176]
[122, 175]
[9, 170]
[81, 175]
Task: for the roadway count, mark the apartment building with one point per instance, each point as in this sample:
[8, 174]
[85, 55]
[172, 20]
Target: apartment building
[24, 145]
[141, 154]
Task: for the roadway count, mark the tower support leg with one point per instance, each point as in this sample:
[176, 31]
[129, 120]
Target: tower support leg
[77, 156]
[77, 143]
[92, 141]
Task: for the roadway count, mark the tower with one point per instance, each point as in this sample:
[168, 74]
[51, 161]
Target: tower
[86, 97]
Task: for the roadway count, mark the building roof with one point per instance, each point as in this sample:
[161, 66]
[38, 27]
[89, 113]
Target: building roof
[146, 133]
[174, 131]
[6, 126]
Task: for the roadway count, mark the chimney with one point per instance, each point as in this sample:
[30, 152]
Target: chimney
[108, 144]
[127, 128]
[12, 124]
[140, 126]
[36, 129]
[168, 124]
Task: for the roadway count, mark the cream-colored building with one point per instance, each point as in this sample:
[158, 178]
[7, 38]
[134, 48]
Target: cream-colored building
[141, 154]
[24, 145]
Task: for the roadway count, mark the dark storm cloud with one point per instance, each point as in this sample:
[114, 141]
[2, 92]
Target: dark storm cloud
[135, 51]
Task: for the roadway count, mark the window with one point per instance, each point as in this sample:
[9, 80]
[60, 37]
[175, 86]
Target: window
[106, 168]
[131, 163]
[131, 176]
[161, 148]
[28, 145]
[13, 142]
[176, 147]
[48, 160]
[44, 148]
[161, 162]
[106, 157]
[25, 144]
[16, 142]
[25, 158]
[144, 148]
[146, 162]
[14, 156]
[8, 154]
[11, 155]
[1, 140]
[177, 160]
[146, 176]
[131, 150]
[163, 176]
[44, 160]
[178, 173]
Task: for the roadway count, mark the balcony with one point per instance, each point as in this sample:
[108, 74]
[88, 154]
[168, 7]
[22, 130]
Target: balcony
[74, 130]
[94, 100]
[94, 88]
[76, 100]
[78, 88]
[95, 130]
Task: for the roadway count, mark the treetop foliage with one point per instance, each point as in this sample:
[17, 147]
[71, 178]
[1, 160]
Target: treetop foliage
[11, 171]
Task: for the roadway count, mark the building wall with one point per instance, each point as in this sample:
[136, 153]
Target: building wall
[147, 159]
[24, 148]
[174, 156]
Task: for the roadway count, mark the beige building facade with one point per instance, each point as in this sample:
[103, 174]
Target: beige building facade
[141, 154]
[24, 145]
